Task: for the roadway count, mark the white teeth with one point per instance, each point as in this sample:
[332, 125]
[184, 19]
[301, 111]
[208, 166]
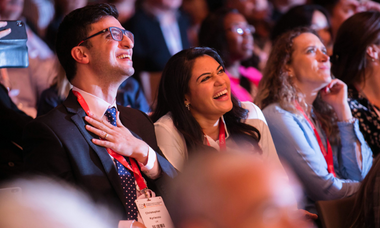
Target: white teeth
[220, 93]
[123, 56]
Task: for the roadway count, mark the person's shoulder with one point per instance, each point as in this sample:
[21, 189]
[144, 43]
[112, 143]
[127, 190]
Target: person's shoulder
[165, 121]
[254, 112]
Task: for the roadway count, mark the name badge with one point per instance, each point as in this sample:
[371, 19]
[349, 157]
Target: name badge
[154, 213]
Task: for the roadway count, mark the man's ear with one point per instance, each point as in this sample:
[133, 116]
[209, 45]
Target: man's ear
[80, 54]
[372, 52]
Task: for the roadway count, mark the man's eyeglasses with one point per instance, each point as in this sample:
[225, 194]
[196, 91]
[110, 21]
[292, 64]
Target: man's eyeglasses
[248, 29]
[116, 33]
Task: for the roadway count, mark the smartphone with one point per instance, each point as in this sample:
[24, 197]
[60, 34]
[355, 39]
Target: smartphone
[13, 49]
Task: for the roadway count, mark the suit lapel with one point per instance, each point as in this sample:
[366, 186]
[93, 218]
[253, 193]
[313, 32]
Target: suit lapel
[73, 106]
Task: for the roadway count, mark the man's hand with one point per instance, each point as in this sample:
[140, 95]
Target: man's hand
[118, 138]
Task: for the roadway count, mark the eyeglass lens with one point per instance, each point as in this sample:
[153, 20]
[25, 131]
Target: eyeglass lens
[247, 29]
[117, 34]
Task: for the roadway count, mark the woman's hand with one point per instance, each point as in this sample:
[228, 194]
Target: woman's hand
[335, 94]
[118, 138]
[6, 31]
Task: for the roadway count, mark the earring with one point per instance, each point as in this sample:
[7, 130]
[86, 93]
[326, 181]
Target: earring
[373, 60]
[187, 105]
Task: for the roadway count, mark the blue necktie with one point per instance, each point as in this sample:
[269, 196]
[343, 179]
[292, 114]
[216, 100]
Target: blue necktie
[127, 179]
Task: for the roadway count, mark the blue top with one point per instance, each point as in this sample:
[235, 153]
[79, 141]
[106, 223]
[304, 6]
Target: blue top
[297, 145]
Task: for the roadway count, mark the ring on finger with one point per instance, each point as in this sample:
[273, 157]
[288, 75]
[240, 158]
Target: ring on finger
[105, 137]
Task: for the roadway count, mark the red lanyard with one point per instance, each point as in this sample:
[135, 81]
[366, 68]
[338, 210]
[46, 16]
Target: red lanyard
[133, 167]
[327, 155]
[222, 136]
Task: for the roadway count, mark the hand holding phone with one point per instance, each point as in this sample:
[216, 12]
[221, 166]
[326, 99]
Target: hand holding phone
[13, 49]
[6, 31]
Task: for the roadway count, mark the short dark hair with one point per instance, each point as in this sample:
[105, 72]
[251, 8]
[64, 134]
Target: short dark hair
[350, 48]
[298, 16]
[74, 28]
[174, 85]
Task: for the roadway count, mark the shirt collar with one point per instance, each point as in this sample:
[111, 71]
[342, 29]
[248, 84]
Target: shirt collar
[96, 105]
[214, 143]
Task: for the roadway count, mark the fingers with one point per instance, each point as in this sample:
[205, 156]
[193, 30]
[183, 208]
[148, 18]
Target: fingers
[100, 133]
[98, 123]
[5, 32]
[3, 23]
[103, 143]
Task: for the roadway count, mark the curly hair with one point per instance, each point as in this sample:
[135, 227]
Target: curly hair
[277, 87]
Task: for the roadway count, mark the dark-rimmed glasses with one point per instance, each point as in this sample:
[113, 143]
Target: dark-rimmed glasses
[248, 29]
[116, 33]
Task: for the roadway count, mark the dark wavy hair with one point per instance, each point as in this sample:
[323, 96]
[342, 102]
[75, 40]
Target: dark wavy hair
[350, 48]
[174, 85]
[74, 28]
[278, 87]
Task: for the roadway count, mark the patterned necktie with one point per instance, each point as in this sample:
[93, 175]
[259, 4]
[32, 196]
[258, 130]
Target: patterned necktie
[127, 179]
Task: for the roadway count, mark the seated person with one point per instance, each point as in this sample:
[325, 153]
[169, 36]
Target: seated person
[356, 60]
[195, 109]
[129, 94]
[310, 120]
[227, 31]
[96, 54]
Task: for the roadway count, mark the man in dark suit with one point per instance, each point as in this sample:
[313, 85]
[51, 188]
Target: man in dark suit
[96, 52]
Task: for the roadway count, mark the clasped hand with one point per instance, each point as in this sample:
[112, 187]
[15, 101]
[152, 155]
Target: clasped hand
[118, 138]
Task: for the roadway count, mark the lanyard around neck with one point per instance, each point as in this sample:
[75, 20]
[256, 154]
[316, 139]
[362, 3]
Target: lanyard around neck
[326, 154]
[222, 136]
[133, 167]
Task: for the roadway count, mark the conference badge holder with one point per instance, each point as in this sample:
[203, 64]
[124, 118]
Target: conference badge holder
[152, 210]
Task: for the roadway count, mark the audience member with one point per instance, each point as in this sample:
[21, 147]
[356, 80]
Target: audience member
[197, 10]
[162, 31]
[12, 122]
[195, 108]
[356, 61]
[129, 94]
[39, 14]
[96, 52]
[310, 120]
[228, 32]
[40, 202]
[27, 84]
[234, 190]
[312, 16]
[280, 7]
[340, 10]
[257, 13]
[365, 212]
[62, 8]
[126, 9]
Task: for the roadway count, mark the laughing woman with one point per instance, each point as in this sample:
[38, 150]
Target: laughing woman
[195, 110]
[310, 120]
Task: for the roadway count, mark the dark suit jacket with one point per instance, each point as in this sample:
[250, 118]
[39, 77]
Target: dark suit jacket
[58, 144]
[150, 52]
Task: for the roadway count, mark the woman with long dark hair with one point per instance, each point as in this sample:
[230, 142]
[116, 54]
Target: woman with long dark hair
[195, 109]
[356, 61]
[310, 120]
